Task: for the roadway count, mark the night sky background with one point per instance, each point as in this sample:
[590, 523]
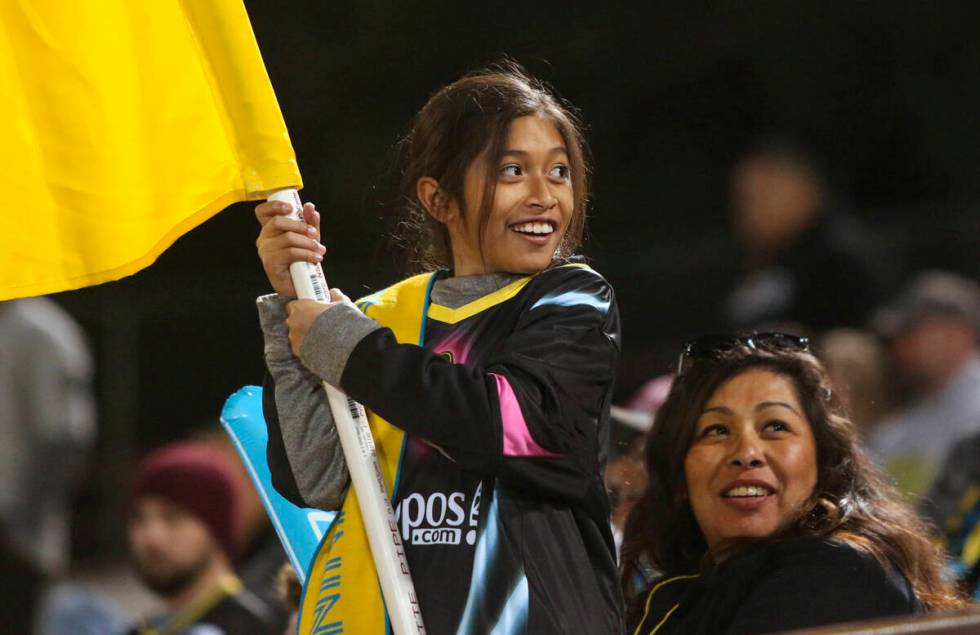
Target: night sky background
[884, 94]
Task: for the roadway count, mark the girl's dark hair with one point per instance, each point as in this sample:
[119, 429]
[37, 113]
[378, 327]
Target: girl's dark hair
[459, 123]
[851, 501]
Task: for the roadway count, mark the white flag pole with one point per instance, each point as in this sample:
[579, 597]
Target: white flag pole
[362, 463]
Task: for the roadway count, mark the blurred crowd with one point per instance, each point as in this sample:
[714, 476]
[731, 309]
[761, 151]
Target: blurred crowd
[901, 347]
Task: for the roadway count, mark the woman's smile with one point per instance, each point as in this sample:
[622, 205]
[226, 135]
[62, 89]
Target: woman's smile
[748, 494]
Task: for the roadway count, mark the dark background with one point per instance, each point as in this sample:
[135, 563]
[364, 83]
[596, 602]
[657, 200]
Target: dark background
[885, 94]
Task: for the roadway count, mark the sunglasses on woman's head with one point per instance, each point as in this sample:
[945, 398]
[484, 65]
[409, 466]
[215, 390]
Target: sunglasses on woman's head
[710, 346]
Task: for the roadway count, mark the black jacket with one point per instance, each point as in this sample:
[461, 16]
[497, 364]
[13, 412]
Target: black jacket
[499, 496]
[801, 583]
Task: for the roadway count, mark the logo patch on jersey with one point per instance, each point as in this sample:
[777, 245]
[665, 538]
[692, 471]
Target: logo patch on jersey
[439, 518]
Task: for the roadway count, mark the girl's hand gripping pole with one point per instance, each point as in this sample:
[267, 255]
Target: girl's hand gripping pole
[362, 463]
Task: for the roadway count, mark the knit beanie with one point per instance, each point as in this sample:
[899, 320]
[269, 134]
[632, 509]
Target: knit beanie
[199, 480]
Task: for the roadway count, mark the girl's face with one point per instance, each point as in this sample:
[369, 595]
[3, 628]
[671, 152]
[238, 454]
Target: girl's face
[753, 461]
[532, 205]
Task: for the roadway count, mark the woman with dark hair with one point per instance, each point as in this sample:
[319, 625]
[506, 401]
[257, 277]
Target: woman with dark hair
[763, 513]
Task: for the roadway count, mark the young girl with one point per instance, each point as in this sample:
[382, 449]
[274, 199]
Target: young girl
[488, 379]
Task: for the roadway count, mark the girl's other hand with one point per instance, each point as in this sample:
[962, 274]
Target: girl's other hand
[300, 315]
[284, 241]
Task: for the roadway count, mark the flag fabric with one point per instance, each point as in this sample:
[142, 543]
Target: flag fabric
[300, 529]
[126, 123]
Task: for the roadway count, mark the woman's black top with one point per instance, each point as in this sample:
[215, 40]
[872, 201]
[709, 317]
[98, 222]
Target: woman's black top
[800, 583]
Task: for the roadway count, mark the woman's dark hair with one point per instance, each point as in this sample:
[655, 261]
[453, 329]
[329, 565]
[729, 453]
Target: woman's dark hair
[459, 123]
[850, 502]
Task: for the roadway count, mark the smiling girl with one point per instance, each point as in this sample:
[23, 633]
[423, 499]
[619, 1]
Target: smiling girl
[488, 378]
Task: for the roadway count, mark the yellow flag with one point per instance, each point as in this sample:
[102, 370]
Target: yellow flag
[123, 125]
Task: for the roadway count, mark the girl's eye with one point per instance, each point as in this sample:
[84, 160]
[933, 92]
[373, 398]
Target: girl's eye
[559, 172]
[511, 169]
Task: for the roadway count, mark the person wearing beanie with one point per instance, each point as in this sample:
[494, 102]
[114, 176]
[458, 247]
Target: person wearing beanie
[183, 529]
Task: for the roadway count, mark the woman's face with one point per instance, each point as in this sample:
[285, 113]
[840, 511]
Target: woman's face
[753, 460]
[532, 205]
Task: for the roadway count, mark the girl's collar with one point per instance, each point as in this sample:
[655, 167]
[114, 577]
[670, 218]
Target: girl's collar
[453, 292]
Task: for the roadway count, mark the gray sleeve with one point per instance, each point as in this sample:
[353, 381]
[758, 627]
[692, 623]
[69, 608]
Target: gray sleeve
[306, 425]
[331, 339]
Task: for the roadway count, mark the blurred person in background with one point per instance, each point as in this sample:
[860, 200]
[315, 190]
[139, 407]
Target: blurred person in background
[184, 534]
[932, 446]
[953, 505]
[930, 331]
[47, 427]
[857, 364]
[290, 592]
[763, 514]
[261, 556]
[808, 261]
[626, 474]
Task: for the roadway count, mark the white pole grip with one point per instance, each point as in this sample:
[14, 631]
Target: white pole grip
[362, 463]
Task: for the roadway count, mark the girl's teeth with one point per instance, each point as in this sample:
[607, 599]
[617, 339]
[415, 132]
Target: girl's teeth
[534, 228]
